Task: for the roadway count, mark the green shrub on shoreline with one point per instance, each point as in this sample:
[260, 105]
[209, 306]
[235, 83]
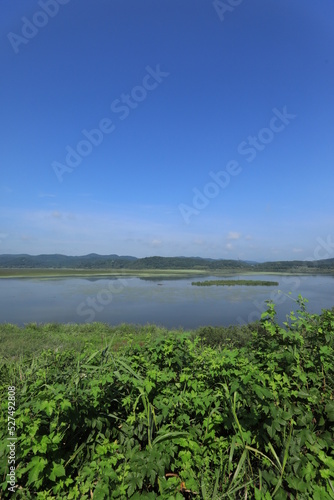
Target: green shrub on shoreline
[172, 414]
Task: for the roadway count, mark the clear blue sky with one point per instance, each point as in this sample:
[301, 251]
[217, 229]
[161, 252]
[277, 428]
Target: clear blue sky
[216, 128]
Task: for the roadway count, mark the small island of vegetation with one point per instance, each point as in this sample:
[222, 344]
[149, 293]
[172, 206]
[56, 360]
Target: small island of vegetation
[235, 282]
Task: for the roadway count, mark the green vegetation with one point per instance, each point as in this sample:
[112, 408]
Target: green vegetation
[114, 263]
[141, 412]
[235, 282]
[102, 273]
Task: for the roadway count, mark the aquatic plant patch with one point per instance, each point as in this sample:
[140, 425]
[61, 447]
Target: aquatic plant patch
[235, 283]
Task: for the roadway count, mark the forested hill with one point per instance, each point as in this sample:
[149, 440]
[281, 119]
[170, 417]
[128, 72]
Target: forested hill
[58, 261]
[95, 261]
[296, 265]
[113, 261]
[186, 263]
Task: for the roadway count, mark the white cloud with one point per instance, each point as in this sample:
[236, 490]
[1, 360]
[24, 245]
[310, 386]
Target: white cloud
[199, 241]
[156, 243]
[131, 230]
[233, 235]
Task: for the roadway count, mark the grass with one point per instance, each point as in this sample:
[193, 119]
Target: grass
[142, 412]
[19, 343]
[59, 273]
[32, 339]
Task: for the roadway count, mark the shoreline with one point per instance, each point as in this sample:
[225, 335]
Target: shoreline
[43, 273]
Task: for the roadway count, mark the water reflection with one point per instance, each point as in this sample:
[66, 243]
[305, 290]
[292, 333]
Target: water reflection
[168, 302]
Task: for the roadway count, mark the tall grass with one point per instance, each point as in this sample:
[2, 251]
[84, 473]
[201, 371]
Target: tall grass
[141, 412]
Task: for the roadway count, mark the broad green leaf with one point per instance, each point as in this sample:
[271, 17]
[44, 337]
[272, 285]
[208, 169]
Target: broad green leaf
[36, 467]
[330, 411]
[58, 470]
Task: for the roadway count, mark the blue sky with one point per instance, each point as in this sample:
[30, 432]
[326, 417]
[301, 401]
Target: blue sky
[193, 128]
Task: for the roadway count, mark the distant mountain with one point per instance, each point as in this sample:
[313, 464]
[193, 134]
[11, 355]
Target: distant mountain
[201, 258]
[114, 261]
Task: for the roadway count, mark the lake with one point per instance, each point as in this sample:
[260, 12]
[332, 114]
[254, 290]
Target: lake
[166, 302]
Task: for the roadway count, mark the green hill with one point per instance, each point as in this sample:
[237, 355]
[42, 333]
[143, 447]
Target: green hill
[114, 261]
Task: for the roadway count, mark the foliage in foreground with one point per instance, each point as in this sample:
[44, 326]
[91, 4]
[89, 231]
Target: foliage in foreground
[176, 418]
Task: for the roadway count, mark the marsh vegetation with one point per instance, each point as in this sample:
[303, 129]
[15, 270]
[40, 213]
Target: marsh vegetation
[235, 283]
[144, 412]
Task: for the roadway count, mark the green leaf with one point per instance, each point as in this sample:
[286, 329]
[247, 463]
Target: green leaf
[240, 465]
[326, 474]
[101, 491]
[330, 411]
[258, 494]
[172, 435]
[48, 406]
[261, 392]
[37, 465]
[298, 484]
[58, 470]
[235, 385]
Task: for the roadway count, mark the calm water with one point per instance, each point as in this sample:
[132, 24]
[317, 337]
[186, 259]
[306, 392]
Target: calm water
[171, 303]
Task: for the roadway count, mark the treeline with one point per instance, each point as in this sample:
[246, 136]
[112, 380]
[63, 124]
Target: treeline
[296, 265]
[113, 261]
[94, 261]
[58, 261]
[186, 263]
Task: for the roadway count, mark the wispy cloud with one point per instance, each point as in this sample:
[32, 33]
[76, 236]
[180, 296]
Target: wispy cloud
[56, 214]
[27, 237]
[233, 235]
[156, 243]
[46, 195]
[131, 230]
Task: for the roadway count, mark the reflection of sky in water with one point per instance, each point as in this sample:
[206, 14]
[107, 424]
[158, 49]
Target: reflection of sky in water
[166, 302]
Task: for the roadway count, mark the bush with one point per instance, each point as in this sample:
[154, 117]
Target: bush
[176, 417]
